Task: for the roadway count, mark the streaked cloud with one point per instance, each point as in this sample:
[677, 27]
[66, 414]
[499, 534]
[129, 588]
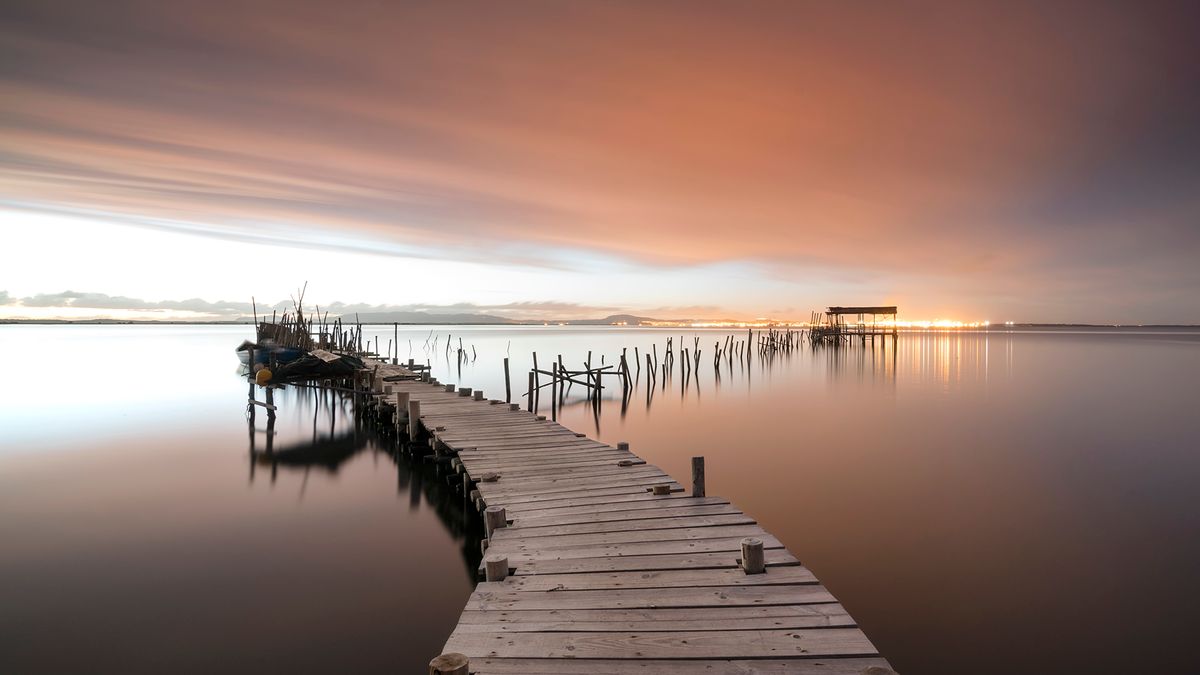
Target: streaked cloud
[980, 152]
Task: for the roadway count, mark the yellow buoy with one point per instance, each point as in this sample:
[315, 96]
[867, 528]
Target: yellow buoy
[263, 376]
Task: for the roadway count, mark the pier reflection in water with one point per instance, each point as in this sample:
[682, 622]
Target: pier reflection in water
[330, 447]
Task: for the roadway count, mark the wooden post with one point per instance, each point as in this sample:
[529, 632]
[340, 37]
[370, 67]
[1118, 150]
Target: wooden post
[529, 396]
[464, 391]
[401, 408]
[495, 567]
[697, 476]
[660, 490]
[752, 556]
[414, 420]
[554, 391]
[396, 341]
[451, 663]
[478, 394]
[494, 518]
[507, 387]
[623, 445]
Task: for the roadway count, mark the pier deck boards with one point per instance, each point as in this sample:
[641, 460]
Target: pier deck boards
[606, 577]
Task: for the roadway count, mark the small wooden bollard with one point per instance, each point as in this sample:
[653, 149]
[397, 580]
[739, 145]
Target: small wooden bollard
[450, 388]
[661, 490]
[414, 419]
[514, 406]
[495, 567]
[452, 663]
[478, 395]
[387, 389]
[489, 477]
[494, 518]
[752, 556]
[465, 391]
[623, 445]
[697, 476]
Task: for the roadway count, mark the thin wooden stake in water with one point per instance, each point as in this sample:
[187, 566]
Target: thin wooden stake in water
[507, 386]
[697, 476]
[529, 395]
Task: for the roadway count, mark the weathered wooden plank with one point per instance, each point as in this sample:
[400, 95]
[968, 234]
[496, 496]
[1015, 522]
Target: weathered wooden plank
[595, 472]
[667, 561]
[576, 666]
[608, 510]
[818, 615]
[642, 524]
[732, 545]
[730, 576]
[496, 596]
[635, 492]
[576, 483]
[681, 645]
[513, 539]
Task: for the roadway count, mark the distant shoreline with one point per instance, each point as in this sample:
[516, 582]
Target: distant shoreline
[583, 323]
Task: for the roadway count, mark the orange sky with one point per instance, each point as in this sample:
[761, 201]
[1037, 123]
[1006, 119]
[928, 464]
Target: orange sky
[1011, 159]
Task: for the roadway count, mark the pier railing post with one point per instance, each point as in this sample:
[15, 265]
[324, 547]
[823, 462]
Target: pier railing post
[697, 476]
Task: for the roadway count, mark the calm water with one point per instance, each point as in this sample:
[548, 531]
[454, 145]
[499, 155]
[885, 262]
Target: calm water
[981, 502]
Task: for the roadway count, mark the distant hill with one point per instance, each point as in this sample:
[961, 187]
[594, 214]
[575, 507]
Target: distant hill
[628, 319]
[427, 318]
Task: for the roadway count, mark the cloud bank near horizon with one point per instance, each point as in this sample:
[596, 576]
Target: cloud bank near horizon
[199, 309]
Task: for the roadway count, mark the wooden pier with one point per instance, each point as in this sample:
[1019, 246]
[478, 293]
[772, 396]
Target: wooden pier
[598, 562]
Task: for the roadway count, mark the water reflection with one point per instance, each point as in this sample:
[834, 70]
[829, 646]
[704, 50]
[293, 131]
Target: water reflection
[1002, 493]
[339, 433]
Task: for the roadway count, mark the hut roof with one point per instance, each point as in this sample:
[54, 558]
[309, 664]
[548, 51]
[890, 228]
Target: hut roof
[861, 310]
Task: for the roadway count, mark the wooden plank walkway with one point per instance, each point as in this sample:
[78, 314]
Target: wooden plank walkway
[606, 577]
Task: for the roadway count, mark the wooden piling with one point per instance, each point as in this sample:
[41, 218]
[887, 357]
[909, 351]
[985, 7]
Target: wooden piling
[698, 477]
[507, 386]
[414, 419]
[529, 394]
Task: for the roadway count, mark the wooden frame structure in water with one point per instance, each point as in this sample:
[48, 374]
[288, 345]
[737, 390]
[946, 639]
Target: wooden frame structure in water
[832, 327]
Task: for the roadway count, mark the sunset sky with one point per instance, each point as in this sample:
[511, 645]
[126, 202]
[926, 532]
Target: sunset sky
[1005, 161]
